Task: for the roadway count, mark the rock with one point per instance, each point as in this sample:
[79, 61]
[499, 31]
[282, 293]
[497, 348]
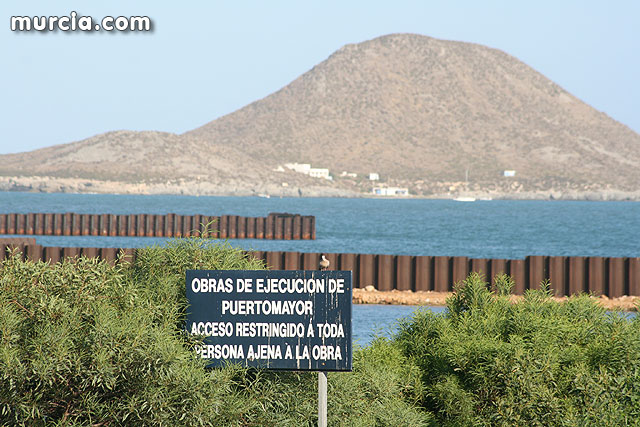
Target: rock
[369, 288]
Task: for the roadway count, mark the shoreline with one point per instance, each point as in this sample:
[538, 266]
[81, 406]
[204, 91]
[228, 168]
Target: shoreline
[185, 187]
[369, 295]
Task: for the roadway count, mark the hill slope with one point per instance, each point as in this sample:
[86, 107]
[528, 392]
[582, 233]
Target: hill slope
[414, 107]
[421, 112]
[130, 156]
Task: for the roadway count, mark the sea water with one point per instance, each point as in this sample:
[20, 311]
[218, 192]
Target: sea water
[483, 229]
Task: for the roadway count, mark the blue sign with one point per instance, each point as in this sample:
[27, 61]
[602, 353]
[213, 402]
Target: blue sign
[290, 320]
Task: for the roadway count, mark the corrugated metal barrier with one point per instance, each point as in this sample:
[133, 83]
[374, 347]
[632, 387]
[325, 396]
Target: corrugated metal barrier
[613, 277]
[282, 226]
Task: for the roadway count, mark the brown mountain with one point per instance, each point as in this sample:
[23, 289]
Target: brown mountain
[419, 111]
[415, 107]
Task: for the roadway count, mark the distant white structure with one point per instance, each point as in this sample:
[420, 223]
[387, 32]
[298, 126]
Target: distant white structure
[299, 167]
[509, 173]
[349, 174]
[319, 173]
[306, 169]
[279, 169]
[390, 191]
[373, 176]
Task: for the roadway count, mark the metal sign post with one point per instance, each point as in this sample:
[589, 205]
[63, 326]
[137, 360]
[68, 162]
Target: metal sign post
[322, 399]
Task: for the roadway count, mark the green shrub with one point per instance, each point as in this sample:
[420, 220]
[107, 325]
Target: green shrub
[382, 390]
[86, 342]
[539, 362]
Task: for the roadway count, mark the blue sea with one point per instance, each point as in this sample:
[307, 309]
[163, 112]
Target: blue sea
[482, 229]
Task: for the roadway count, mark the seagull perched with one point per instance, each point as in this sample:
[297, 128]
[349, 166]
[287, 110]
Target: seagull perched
[324, 263]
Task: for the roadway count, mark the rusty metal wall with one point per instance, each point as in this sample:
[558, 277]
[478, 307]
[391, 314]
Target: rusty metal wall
[613, 277]
[275, 226]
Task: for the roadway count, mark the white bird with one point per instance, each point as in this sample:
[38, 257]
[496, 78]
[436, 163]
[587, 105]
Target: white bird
[324, 263]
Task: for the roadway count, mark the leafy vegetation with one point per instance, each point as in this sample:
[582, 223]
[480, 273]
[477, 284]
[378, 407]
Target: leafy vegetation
[85, 342]
[538, 362]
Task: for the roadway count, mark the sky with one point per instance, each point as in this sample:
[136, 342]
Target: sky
[205, 59]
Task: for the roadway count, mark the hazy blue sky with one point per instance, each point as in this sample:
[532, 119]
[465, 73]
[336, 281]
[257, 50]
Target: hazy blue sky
[205, 59]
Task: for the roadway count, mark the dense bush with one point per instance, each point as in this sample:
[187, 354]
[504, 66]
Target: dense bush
[539, 362]
[83, 342]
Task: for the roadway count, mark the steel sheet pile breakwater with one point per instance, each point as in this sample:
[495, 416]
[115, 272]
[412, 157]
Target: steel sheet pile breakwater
[613, 277]
[281, 226]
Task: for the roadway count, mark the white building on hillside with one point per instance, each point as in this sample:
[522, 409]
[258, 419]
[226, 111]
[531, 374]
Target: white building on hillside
[299, 167]
[319, 173]
[306, 169]
[373, 176]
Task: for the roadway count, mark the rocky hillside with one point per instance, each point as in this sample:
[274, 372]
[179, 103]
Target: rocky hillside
[415, 107]
[422, 112]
